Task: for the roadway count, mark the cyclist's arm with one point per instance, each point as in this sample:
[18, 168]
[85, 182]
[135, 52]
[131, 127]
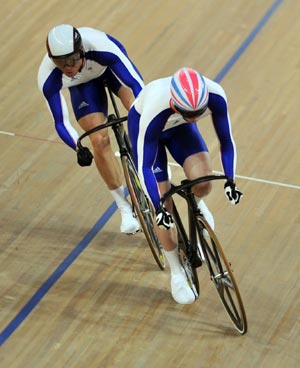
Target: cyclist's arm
[221, 120]
[144, 134]
[110, 52]
[58, 107]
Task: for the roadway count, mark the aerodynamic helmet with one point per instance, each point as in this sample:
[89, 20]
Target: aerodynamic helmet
[63, 41]
[189, 92]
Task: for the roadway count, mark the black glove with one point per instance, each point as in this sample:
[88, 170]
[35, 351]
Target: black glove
[164, 219]
[84, 157]
[232, 192]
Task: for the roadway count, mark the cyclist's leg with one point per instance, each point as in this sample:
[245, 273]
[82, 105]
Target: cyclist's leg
[126, 96]
[195, 166]
[124, 93]
[105, 159]
[180, 289]
[189, 149]
[167, 238]
[89, 102]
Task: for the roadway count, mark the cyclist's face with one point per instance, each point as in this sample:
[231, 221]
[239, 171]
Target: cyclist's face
[189, 116]
[69, 65]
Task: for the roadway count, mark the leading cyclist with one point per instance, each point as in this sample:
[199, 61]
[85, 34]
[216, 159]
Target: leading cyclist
[164, 115]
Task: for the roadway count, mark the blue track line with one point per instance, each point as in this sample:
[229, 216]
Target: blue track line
[42, 291]
[248, 40]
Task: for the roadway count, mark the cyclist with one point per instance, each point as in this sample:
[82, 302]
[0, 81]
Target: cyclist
[81, 60]
[163, 116]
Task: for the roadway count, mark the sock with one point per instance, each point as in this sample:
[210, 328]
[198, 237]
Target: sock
[173, 260]
[120, 199]
[198, 200]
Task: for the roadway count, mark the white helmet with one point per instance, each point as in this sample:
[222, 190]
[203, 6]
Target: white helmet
[64, 40]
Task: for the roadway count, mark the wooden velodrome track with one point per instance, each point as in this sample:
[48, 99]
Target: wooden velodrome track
[77, 293]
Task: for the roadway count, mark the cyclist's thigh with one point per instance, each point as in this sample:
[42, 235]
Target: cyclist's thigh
[88, 98]
[89, 103]
[189, 149]
[91, 97]
[196, 165]
[126, 96]
[92, 120]
[184, 141]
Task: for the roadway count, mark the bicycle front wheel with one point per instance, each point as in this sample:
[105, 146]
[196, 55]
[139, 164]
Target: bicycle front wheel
[222, 276]
[190, 272]
[144, 210]
[185, 254]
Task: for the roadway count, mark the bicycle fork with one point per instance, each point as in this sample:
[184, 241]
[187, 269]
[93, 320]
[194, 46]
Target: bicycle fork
[190, 240]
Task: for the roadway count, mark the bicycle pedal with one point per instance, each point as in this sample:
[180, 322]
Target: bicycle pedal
[139, 230]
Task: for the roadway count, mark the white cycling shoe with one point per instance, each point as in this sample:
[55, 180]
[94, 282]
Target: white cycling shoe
[207, 215]
[181, 292]
[129, 224]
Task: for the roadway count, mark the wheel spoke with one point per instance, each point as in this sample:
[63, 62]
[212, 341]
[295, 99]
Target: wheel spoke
[222, 277]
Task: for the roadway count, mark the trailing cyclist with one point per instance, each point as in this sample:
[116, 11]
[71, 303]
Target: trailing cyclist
[82, 60]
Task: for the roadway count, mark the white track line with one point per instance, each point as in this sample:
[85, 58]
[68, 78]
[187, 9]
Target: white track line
[30, 137]
[253, 179]
[6, 133]
[175, 164]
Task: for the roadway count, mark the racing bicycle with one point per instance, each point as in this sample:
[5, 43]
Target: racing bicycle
[198, 245]
[141, 205]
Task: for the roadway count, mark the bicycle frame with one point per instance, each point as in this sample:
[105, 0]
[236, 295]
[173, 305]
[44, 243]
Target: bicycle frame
[198, 247]
[141, 206]
[184, 190]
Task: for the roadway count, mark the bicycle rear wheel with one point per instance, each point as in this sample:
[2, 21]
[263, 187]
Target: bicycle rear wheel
[144, 210]
[222, 276]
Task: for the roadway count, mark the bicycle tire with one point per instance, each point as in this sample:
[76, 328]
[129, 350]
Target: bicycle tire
[143, 209]
[221, 275]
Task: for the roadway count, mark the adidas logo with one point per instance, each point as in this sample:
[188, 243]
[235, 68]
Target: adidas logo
[82, 105]
[157, 170]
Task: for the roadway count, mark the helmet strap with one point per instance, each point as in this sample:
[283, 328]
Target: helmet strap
[173, 106]
[82, 64]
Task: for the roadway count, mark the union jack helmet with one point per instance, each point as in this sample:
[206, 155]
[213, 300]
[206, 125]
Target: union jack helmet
[189, 92]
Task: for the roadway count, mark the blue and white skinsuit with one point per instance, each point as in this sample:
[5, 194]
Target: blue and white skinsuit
[153, 126]
[106, 59]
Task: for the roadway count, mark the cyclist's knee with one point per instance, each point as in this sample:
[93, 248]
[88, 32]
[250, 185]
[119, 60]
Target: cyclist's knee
[101, 143]
[203, 189]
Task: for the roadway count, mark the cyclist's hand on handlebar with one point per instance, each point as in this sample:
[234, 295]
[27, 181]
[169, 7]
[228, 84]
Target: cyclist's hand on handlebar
[232, 192]
[164, 219]
[84, 157]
